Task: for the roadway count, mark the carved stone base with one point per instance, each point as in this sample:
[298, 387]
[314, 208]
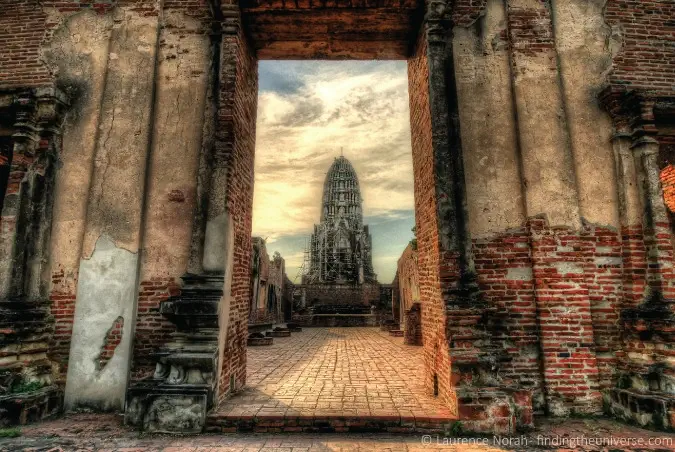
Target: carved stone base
[649, 409]
[177, 397]
[156, 407]
[27, 407]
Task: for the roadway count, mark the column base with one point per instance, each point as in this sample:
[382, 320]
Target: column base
[183, 388]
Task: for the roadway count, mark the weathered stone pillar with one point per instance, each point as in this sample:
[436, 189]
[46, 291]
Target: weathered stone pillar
[26, 222]
[656, 222]
[558, 251]
[633, 256]
[26, 210]
[107, 287]
[17, 201]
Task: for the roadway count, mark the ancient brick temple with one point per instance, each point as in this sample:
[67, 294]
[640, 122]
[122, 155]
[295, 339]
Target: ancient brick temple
[340, 247]
[544, 245]
[338, 268]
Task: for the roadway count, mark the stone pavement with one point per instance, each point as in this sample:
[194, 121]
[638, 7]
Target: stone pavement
[319, 373]
[333, 378]
[99, 432]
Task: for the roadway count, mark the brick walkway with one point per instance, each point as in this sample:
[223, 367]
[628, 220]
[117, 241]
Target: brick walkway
[100, 432]
[334, 375]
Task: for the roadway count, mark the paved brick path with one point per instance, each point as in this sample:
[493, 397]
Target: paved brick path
[335, 372]
[326, 370]
[100, 432]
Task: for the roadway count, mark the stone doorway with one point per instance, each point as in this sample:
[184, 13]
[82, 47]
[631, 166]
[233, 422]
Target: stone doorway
[402, 30]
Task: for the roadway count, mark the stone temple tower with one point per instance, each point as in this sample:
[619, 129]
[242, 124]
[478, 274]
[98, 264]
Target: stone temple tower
[340, 247]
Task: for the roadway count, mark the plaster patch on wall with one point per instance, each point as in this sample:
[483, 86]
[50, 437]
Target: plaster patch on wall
[106, 292]
[568, 267]
[608, 260]
[214, 243]
[519, 274]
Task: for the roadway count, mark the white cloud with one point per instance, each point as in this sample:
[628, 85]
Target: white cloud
[302, 124]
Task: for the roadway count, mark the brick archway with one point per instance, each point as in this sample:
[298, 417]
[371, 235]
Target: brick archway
[367, 30]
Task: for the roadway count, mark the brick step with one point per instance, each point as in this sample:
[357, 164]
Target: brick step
[278, 334]
[259, 341]
[396, 333]
[273, 423]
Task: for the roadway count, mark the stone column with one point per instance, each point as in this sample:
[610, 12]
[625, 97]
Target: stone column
[634, 269]
[107, 286]
[26, 210]
[16, 207]
[26, 223]
[559, 252]
[655, 222]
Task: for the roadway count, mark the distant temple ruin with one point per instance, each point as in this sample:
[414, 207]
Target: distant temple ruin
[340, 248]
[338, 275]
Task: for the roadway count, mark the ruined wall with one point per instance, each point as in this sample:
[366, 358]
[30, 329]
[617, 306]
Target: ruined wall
[408, 283]
[138, 78]
[430, 260]
[341, 295]
[235, 141]
[558, 250]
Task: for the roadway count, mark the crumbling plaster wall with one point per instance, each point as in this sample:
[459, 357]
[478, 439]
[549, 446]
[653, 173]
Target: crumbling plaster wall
[78, 54]
[114, 213]
[126, 185]
[535, 141]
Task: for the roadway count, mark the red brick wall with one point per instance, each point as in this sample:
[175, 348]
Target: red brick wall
[530, 29]
[112, 339]
[465, 12]
[22, 30]
[236, 137]
[434, 321]
[647, 56]
[152, 328]
[571, 284]
[566, 326]
[504, 268]
[25, 27]
[62, 296]
[668, 183]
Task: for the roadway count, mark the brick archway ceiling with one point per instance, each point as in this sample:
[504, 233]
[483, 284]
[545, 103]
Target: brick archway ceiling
[332, 29]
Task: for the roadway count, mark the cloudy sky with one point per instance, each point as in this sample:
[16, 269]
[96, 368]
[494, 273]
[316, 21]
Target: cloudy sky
[307, 112]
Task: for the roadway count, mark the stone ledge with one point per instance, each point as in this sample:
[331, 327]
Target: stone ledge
[317, 422]
[278, 334]
[26, 407]
[259, 341]
[648, 409]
